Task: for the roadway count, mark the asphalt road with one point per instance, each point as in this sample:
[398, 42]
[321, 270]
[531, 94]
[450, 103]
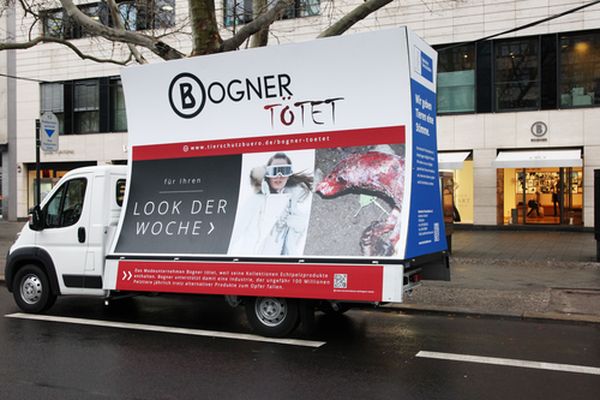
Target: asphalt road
[361, 355]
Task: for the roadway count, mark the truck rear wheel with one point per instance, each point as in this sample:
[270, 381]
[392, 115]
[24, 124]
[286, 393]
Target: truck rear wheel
[272, 316]
[32, 291]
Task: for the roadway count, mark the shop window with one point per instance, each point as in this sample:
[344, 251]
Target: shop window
[86, 106]
[52, 100]
[117, 107]
[517, 80]
[579, 72]
[237, 12]
[456, 80]
[543, 196]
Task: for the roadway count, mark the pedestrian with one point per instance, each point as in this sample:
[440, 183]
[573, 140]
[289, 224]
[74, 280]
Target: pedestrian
[556, 197]
[534, 205]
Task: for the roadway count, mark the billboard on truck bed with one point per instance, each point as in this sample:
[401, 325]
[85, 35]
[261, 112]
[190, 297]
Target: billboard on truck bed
[324, 149]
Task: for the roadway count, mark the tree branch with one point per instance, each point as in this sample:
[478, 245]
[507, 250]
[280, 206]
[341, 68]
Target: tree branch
[158, 47]
[359, 13]
[256, 25]
[40, 39]
[112, 5]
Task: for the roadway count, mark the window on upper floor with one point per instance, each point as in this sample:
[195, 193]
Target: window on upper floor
[237, 12]
[517, 74]
[118, 117]
[86, 106]
[52, 100]
[137, 15]
[579, 83]
[58, 24]
[456, 80]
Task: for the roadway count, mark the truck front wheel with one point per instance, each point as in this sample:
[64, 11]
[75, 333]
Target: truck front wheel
[272, 316]
[32, 289]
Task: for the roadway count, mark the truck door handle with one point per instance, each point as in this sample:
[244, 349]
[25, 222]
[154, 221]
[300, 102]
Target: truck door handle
[81, 234]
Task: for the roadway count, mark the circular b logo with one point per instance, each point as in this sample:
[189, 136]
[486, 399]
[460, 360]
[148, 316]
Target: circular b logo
[539, 129]
[187, 95]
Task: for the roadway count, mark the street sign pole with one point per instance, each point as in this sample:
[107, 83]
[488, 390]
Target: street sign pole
[38, 190]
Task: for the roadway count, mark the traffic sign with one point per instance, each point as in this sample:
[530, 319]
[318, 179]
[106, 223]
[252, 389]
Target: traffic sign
[49, 132]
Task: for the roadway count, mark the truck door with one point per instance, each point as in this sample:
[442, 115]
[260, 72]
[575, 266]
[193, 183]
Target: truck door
[66, 220]
[103, 221]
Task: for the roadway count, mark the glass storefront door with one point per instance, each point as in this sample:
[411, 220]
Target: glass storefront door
[543, 196]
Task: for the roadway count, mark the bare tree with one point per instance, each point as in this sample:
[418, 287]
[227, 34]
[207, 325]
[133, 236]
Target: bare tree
[201, 25]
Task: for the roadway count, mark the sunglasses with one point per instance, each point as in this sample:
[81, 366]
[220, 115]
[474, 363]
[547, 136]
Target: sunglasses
[283, 170]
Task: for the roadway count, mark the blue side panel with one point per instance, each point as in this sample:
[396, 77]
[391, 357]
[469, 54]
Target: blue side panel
[426, 233]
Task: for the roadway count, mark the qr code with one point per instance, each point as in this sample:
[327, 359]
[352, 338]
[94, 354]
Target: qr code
[436, 232]
[340, 281]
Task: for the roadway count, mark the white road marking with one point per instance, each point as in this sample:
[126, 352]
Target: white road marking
[510, 362]
[166, 329]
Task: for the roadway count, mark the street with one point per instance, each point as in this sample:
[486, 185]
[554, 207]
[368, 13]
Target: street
[362, 354]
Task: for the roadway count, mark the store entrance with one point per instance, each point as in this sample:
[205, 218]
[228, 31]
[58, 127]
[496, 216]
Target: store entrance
[543, 196]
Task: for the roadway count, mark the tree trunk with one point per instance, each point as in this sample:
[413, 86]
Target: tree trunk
[260, 38]
[205, 32]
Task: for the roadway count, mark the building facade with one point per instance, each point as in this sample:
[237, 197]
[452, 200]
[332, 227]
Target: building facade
[518, 114]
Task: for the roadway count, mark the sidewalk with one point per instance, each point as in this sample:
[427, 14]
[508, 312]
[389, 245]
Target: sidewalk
[548, 275]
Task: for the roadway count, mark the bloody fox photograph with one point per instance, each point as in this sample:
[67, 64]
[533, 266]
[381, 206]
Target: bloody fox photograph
[358, 200]
[274, 203]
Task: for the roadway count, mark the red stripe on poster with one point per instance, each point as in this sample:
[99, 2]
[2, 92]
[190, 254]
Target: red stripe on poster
[330, 282]
[318, 140]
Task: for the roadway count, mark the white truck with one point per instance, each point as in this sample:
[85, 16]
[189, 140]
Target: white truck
[306, 179]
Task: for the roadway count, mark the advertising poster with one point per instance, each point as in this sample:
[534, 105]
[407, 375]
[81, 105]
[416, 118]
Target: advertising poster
[300, 155]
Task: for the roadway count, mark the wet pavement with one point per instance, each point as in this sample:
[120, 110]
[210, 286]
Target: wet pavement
[525, 274]
[361, 355]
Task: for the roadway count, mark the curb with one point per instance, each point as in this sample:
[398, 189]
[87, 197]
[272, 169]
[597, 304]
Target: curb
[526, 315]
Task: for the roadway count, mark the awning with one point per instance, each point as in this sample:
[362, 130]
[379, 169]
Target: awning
[538, 159]
[452, 160]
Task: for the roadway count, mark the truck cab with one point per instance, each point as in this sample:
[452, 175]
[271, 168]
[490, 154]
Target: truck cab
[63, 247]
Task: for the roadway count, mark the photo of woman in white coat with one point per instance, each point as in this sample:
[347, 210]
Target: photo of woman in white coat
[274, 219]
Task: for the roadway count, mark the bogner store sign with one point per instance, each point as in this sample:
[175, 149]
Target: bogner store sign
[321, 150]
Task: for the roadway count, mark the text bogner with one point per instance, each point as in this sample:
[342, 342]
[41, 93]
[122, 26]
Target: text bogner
[188, 96]
[216, 90]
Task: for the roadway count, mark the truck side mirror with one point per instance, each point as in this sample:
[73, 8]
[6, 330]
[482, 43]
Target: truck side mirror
[36, 223]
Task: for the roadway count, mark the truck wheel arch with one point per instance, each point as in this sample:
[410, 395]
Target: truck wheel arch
[31, 255]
